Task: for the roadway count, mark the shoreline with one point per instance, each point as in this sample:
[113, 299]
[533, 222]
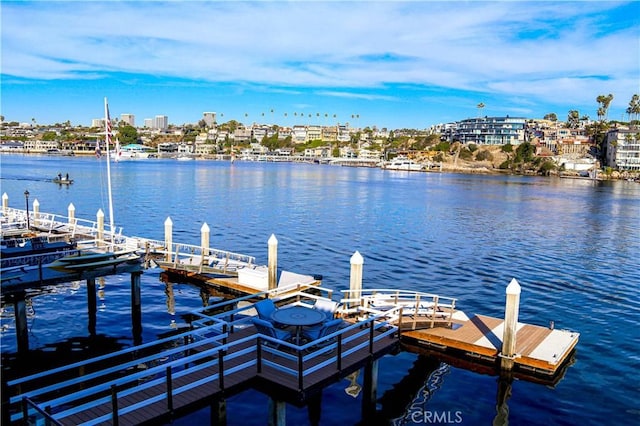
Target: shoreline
[443, 168]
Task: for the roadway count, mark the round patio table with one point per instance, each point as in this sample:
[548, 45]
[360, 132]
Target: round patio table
[298, 316]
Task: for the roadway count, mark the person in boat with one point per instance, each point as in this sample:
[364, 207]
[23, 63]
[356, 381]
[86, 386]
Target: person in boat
[67, 177]
[59, 176]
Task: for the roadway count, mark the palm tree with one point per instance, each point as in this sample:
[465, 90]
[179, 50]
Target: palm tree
[480, 108]
[634, 108]
[604, 102]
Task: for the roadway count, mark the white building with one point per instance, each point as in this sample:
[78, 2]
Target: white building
[129, 119]
[161, 122]
[623, 149]
[209, 118]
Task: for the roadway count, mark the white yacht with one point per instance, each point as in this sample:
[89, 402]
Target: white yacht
[403, 163]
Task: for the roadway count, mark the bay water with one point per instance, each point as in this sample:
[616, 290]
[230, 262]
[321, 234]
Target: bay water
[573, 245]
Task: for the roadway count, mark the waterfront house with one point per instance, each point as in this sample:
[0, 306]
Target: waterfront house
[623, 149]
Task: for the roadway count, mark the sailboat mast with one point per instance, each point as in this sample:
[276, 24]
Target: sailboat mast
[107, 121]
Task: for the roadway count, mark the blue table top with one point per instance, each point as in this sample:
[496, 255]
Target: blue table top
[298, 316]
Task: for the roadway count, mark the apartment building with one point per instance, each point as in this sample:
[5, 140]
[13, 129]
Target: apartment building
[129, 119]
[491, 130]
[623, 149]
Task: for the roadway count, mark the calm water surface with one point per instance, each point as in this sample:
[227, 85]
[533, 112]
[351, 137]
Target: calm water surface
[573, 245]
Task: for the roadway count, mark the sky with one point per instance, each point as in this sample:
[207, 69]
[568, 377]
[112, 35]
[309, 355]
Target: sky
[388, 64]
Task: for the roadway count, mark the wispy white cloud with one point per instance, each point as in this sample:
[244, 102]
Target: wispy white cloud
[354, 95]
[538, 49]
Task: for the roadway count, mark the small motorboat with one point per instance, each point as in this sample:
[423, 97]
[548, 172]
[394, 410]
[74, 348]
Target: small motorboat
[62, 180]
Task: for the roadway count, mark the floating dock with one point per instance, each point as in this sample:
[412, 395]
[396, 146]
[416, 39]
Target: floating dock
[539, 350]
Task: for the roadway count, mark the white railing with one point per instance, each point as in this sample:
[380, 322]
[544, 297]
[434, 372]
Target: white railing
[209, 347]
[411, 307]
[88, 235]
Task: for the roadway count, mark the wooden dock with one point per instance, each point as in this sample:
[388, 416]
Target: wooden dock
[224, 354]
[431, 325]
[540, 350]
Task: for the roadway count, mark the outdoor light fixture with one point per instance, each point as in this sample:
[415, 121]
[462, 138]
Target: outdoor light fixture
[26, 197]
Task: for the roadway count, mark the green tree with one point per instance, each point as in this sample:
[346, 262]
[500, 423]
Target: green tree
[484, 155]
[551, 116]
[604, 102]
[573, 119]
[507, 148]
[525, 152]
[480, 108]
[634, 108]
[546, 167]
[127, 134]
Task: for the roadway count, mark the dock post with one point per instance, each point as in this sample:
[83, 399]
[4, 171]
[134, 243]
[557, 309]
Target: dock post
[273, 262]
[510, 325]
[503, 394]
[72, 214]
[277, 413]
[314, 409]
[100, 220]
[20, 312]
[168, 237]
[91, 304]
[204, 240]
[36, 212]
[5, 203]
[355, 280]
[136, 308]
[219, 412]
[370, 390]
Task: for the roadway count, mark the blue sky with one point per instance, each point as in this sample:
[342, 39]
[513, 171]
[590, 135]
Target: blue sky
[385, 63]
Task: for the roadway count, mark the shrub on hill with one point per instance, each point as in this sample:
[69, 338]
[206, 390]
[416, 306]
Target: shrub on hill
[484, 155]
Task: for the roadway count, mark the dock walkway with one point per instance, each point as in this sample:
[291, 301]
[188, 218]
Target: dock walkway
[222, 355]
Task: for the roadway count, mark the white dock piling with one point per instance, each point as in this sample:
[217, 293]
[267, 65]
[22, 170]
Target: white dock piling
[273, 262]
[168, 237]
[100, 220]
[355, 281]
[72, 214]
[510, 325]
[36, 212]
[204, 239]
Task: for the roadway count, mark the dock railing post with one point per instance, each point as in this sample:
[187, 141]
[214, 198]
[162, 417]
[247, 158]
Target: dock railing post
[510, 325]
[355, 280]
[273, 262]
[168, 237]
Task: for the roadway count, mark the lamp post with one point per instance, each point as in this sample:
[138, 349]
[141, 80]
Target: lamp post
[26, 197]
